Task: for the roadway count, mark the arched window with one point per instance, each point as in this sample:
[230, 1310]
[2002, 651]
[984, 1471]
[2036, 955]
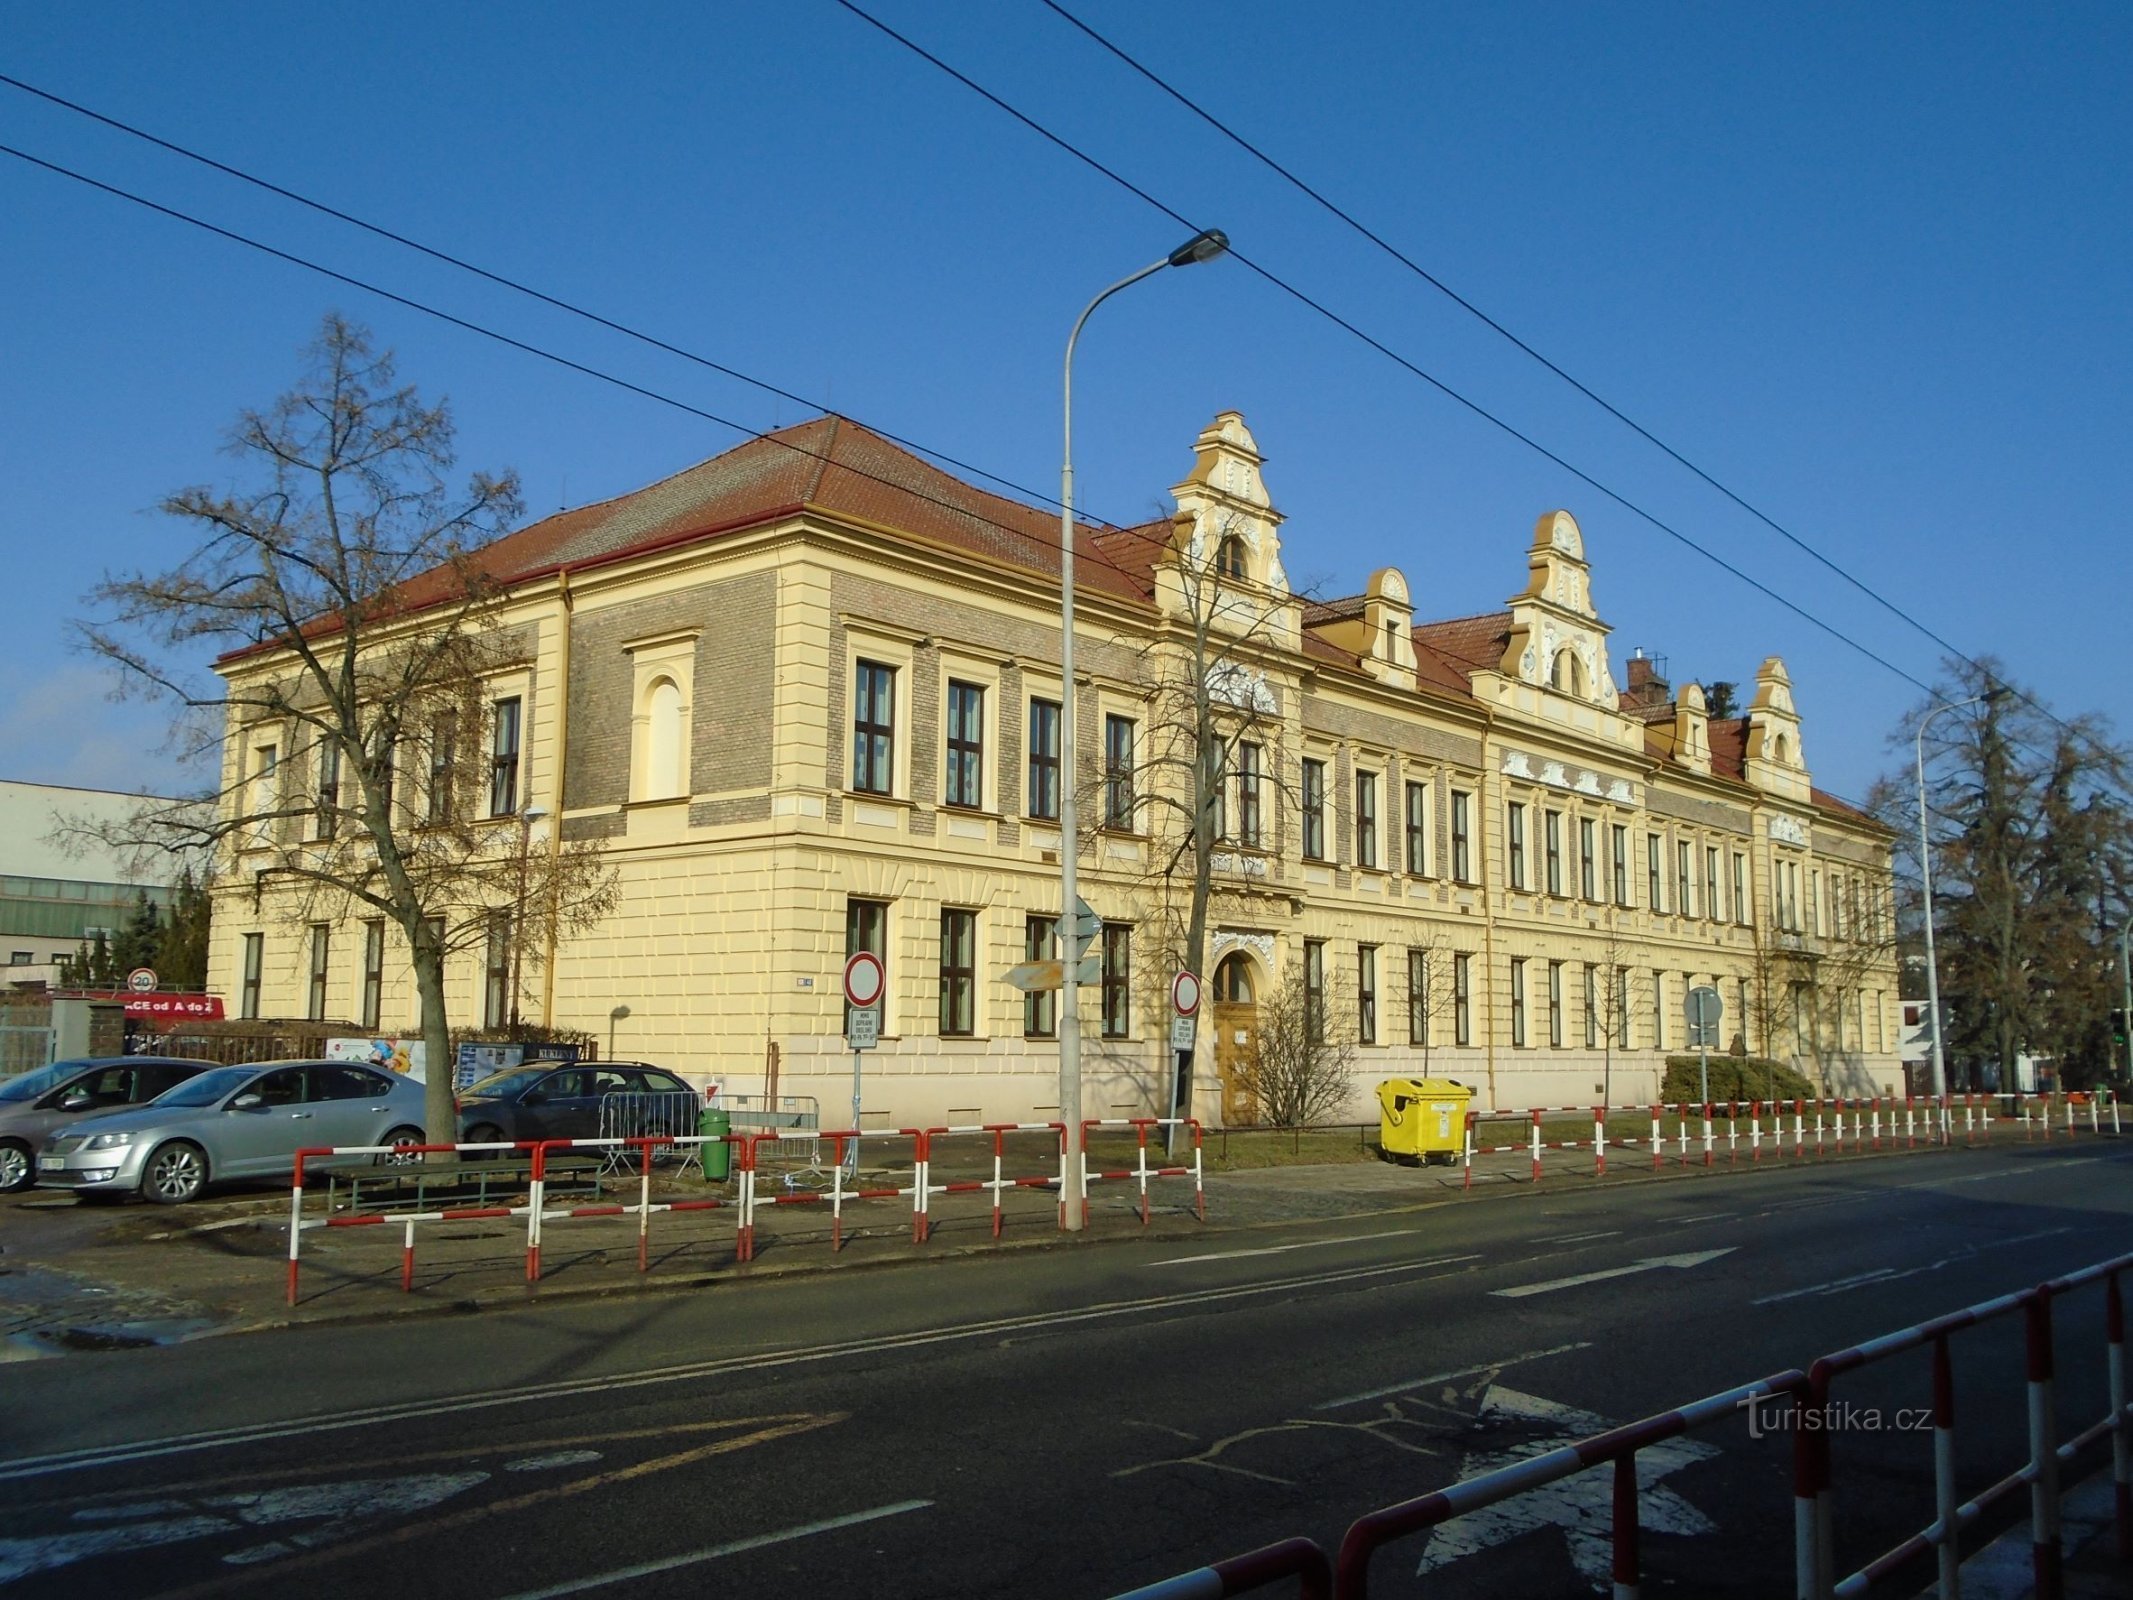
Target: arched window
[1233, 980]
[1229, 557]
[1781, 750]
[1568, 673]
[666, 744]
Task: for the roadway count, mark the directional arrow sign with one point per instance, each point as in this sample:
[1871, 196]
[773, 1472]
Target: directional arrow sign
[1694, 1258]
[1032, 977]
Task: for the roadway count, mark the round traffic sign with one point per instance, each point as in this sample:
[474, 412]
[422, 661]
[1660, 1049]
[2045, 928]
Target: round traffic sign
[142, 980]
[863, 979]
[1185, 993]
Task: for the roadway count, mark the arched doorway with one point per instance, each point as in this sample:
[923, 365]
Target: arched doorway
[1234, 1016]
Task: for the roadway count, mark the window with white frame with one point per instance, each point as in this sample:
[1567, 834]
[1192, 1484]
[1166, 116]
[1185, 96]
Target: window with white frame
[966, 746]
[1043, 788]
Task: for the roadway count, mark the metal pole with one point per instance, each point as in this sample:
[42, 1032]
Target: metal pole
[857, 1057]
[2125, 982]
[1925, 873]
[1199, 248]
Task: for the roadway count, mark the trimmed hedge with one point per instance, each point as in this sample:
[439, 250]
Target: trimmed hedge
[1733, 1078]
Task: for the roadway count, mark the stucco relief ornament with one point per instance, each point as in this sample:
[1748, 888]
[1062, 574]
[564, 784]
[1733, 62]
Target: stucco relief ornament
[1259, 944]
[1242, 687]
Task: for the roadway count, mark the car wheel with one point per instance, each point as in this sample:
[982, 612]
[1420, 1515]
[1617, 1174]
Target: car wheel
[484, 1133]
[174, 1173]
[401, 1135]
[18, 1168]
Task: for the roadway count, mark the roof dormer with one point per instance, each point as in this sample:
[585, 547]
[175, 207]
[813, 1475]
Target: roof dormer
[1557, 640]
[1692, 730]
[1773, 760]
[1225, 551]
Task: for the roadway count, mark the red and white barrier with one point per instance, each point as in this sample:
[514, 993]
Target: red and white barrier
[1140, 1172]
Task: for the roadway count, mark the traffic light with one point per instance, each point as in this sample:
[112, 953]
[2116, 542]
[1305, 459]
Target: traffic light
[2118, 1027]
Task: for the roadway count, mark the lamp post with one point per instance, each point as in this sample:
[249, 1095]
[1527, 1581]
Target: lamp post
[2125, 985]
[1925, 872]
[614, 1017]
[1202, 246]
[526, 820]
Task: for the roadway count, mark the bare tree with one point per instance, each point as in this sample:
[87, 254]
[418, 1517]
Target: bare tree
[1433, 981]
[1612, 997]
[1295, 1071]
[357, 633]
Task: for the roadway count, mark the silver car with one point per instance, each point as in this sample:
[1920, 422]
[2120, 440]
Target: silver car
[37, 1104]
[232, 1122]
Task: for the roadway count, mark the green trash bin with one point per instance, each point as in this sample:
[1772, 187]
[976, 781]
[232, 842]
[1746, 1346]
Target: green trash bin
[1422, 1119]
[716, 1123]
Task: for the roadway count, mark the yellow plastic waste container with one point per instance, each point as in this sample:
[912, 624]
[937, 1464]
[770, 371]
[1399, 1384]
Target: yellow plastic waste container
[1422, 1119]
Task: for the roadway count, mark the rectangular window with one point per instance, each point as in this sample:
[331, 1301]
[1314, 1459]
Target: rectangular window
[321, 953]
[1555, 1005]
[1366, 819]
[1592, 1006]
[1366, 993]
[959, 973]
[1249, 765]
[874, 728]
[1621, 864]
[1740, 888]
[1462, 855]
[503, 759]
[1418, 997]
[1713, 906]
[1515, 842]
[373, 973]
[444, 756]
[388, 772]
[1418, 829]
[1040, 1007]
[1652, 880]
[326, 813]
[266, 793]
[1518, 1003]
[1814, 902]
[966, 746]
[496, 1007]
[1118, 980]
[1044, 760]
[1684, 880]
[1622, 1007]
[1658, 1011]
[1218, 792]
[1552, 837]
[1588, 862]
[254, 958]
[1118, 772]
[1314, 810]
[1315, 990]
[1462, 999]
[866, 927]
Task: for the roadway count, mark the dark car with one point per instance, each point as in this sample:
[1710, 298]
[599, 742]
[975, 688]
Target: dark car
[605, 1099]
[38, 1104]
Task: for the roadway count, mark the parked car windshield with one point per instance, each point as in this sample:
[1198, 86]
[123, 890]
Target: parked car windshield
[32, 1084]
[206, 1089]
[503, 1085]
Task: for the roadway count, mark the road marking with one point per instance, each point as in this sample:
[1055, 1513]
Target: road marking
[1702, 1216]
[645, 1569]
[2059, 1163]
[1694, 1258]
[60, 1461]
[1446, 1377]
[1580, 1505]
[1881, 1275]
[1301, 1244]
[1580, 1238]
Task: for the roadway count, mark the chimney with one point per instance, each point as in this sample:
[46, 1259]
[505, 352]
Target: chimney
[1647, 680]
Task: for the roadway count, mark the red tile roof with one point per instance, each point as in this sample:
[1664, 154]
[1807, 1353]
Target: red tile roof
[1475, 643]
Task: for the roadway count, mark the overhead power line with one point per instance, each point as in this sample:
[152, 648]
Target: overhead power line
[537, 351]
[1301, 297]
[1495, 326]
[501, 280]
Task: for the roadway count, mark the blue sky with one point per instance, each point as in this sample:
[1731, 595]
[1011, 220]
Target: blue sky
[1868, 266]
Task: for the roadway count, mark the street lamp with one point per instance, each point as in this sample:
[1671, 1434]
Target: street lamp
[526, 819]
[1925, 872]
[614, 1017]
[1202, 246]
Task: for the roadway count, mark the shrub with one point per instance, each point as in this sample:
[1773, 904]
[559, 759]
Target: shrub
[1733, 1078]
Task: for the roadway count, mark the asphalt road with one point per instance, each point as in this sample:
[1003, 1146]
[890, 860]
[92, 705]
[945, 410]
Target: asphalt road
[1072, 1422]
